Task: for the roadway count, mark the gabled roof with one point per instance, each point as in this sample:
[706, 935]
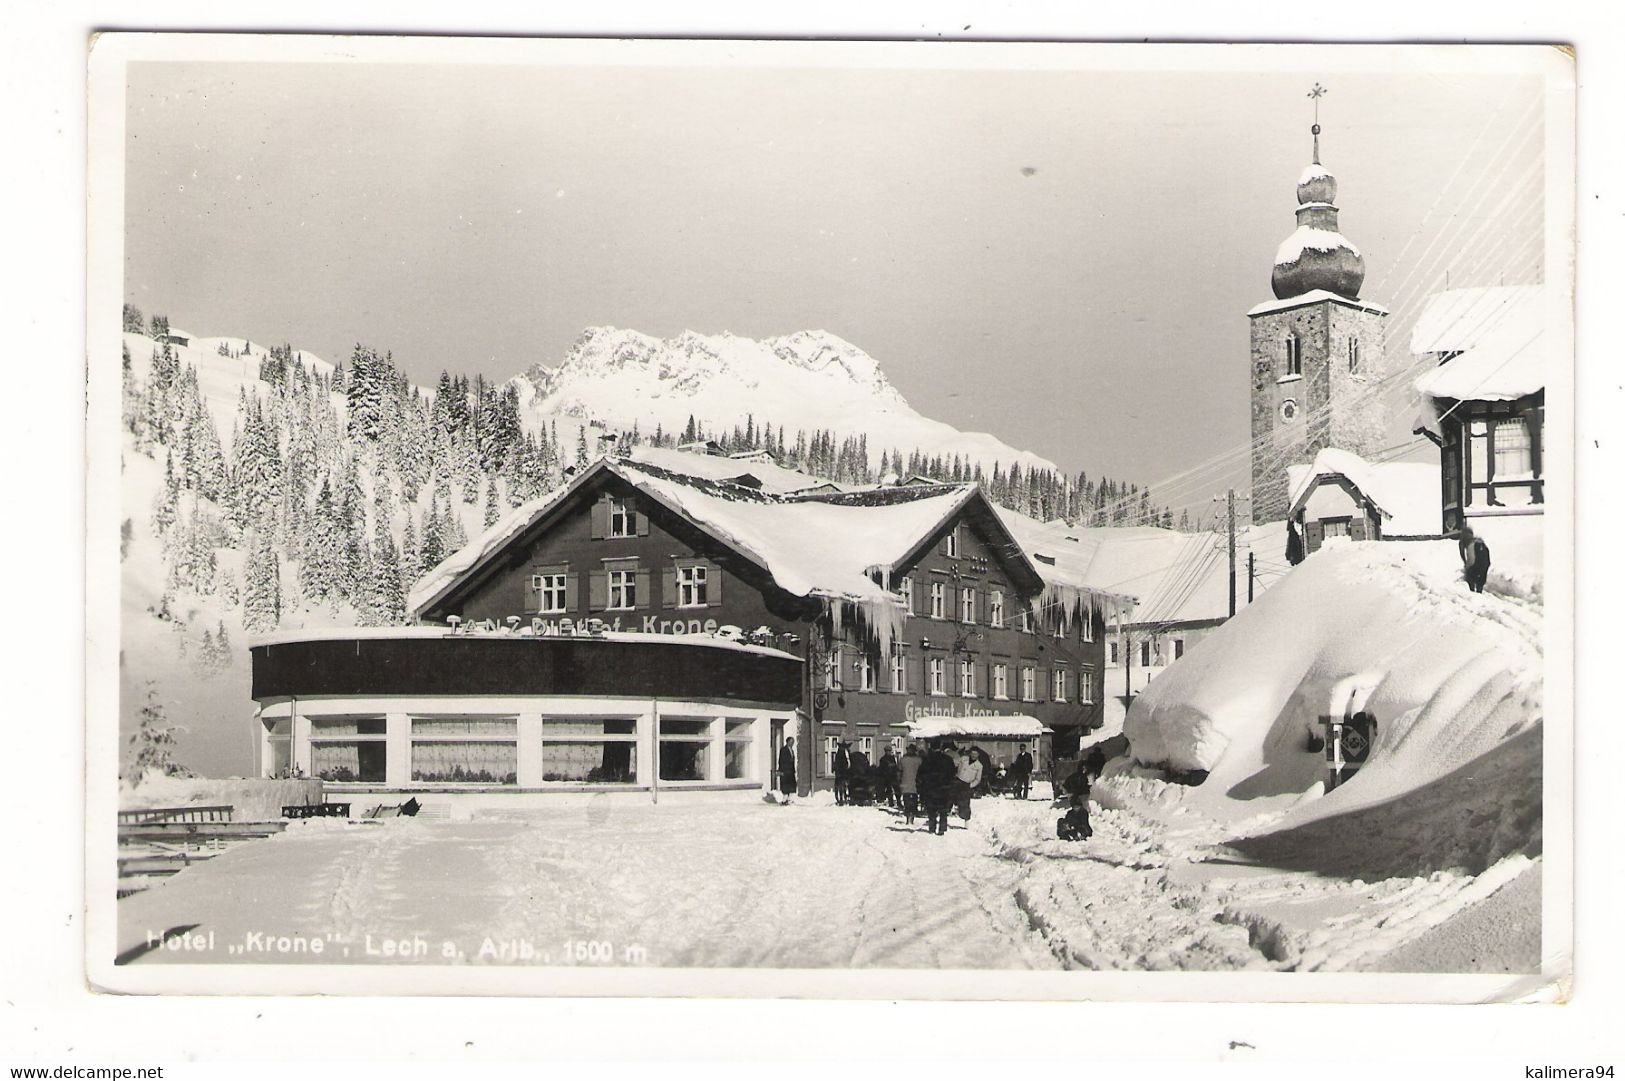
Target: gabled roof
[1494, 338]
[828, 546]
[1406, 494]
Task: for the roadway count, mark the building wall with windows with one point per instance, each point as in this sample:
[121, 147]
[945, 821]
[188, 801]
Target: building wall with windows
[614, 555]
[972, 645]
[1491, 459]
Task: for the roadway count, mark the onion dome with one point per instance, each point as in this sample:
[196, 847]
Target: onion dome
[1317, 255]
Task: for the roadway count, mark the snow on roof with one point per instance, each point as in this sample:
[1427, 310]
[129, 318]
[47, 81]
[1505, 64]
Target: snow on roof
[1406, 493]
[1314, 296]
[1498, 336]
[1305, 237]
[1017, 726]
[774, 477]
[1177, 577]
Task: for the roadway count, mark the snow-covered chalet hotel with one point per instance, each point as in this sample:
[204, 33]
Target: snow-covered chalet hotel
[592, 640]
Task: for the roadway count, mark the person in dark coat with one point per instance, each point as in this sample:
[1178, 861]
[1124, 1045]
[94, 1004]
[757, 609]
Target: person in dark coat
[843, 770]
[1294, 543]
[860, 780]
[1078, 783]
[936, 781]
[787, 769]
[1096, 761]
[1021, 774]
[1475, 558]
[886, 779]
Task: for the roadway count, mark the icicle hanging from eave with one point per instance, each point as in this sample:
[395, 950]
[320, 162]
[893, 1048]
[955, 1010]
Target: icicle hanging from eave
[880, 618]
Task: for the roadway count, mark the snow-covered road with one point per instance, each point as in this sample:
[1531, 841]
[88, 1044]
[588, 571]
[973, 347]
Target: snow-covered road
[742, 884]
[750, 884]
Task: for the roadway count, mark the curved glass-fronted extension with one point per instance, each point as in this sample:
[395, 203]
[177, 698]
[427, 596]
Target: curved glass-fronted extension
[479, 719]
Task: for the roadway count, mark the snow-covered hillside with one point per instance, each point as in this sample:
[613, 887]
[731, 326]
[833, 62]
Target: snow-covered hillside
[227, 454]
[809, 380]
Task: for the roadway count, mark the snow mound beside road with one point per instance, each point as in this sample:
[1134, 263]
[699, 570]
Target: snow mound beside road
[1450, 676]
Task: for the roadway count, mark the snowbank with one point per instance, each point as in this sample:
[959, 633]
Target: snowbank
[252, 800]
[1387, 627]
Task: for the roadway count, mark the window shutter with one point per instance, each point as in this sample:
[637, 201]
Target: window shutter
[950, 602]
[1041, 684]
[984, 681]
[713, 585]
[920, 592]
[1357, 528]
[644, 598]
[598, 590]
[643, 521]
[1313, 534]
[533, 595]
[600, 519]
[572, 591]
[942, 545]
[668, 588]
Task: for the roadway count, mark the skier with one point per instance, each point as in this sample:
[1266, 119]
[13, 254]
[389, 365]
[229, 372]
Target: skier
[908, 771]
[1475, 558]
[787, 770]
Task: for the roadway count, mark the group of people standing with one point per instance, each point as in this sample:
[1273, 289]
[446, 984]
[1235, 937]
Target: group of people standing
[941, 778]
[936, 778]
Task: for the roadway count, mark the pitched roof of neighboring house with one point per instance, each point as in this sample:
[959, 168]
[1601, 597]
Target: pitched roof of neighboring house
[1179, 577]
[1406, 494]
[773, 477]
[824, 546]
[1498, 335]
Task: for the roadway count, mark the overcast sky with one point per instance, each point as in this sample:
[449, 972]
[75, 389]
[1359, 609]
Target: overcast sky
[1064, 259]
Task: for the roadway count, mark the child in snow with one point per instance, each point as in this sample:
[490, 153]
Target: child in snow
[1475, 558]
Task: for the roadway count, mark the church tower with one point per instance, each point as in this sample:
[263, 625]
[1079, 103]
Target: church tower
[1317, 348]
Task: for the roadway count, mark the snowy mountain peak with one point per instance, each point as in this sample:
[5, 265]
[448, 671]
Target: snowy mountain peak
[810, 379]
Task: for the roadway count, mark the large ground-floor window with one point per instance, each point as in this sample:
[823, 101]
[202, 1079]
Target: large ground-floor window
[707, 748]
[590, 750]
[465, 750]
[348, 748]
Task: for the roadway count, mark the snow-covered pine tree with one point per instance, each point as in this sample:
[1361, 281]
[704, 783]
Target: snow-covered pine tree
[167, 504]
[388, 592]
[152, 746]
[492, 512]
[262, 585]
[134, 322]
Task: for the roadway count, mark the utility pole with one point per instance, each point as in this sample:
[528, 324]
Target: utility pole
[1230, 513]
[1250, 573]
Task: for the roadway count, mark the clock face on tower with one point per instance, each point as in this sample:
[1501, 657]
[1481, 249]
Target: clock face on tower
[1289, 410]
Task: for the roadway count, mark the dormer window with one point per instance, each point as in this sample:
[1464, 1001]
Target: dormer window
[1294, 354]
